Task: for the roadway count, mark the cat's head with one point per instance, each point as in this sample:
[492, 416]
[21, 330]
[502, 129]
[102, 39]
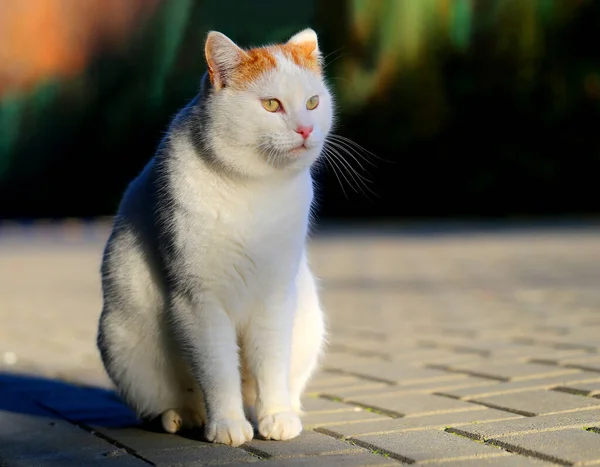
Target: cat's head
[270, 109]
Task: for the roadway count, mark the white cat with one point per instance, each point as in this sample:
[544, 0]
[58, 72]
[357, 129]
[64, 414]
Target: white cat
[211, 314]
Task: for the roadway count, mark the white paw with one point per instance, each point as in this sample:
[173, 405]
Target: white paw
[231, 432]
[171, 421]
[281, 426]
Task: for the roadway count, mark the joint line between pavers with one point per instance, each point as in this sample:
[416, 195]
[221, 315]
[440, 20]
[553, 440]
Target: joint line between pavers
[527, 452]
[574, 391]
[579, 409]
[504, 409]
[360, 375]
[581, 367]
[350, 403]
[376, 409]
[459, 349]
[555, 345]
[253, 451]
[465, 458]
[467, 372]
[97, 434]
[379, 451]
[506, 446]
[360, 353]
[372, 449]
[476, 436]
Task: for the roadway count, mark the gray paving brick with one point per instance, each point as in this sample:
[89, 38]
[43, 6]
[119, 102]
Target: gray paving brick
[315, 419]
[328, 460]
[586, 389]
[463, 381]
[428, 422]
[505, 460]
[402, 375]
[164, 449]
[493, 389]
[589, 362]
[309, 443]
[487, 304]
[514, 371]
[319, 404]
[539, 402]
[579, 420]
[566, 446]
[414, 404]
[423, 446]
[29, 440]
[335, 381]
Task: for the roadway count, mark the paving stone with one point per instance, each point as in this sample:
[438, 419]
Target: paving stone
[140, 440]
[506, 460]
[465, 381]
[163, 449]
[566, 446]
[428, 422]
[348, 391]
[576, 420]
[414, 404]
[319, 404]
[589, 362]
[514, 371]
[423, 446]
[586, 389]
[315, 419]
[30, 440]
[538, 402]
[309, 443]
[489, 304]
[497, 388]
[336, 381]
[328, 460]
[403, 375]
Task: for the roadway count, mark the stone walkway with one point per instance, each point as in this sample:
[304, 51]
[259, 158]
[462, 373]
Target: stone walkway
[464, 348]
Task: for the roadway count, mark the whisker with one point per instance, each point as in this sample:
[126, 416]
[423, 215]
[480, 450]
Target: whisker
[349, 151]
[360, 180]
[326, 64]
[327, 160]
[344, 139]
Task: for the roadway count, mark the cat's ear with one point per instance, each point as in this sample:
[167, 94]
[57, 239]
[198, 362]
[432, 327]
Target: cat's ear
[223, 56]
[308, 42]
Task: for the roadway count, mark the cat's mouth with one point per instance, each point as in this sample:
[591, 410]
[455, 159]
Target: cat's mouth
[298, 149]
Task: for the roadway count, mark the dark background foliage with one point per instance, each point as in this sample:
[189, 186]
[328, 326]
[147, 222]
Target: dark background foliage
[473, 108]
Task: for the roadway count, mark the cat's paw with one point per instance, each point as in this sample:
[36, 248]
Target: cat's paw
[171, 421]
[231, 432]
[280, 426]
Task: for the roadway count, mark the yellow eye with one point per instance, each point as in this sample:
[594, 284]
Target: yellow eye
[312, 103]
[271, 105]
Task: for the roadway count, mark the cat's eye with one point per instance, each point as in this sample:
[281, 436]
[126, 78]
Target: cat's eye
[271, 105]
[312, 103]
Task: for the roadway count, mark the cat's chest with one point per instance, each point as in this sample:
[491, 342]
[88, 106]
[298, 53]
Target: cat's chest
[250, 235]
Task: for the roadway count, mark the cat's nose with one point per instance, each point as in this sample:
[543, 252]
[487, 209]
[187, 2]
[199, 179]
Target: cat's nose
[305, 131]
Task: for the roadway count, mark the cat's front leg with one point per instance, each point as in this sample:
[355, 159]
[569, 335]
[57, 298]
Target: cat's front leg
[268, 344]
[209, 342]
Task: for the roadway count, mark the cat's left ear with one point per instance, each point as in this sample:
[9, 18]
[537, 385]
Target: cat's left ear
[223, 56]
[308, 42]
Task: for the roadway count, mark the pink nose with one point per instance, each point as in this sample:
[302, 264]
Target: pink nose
[305, 131]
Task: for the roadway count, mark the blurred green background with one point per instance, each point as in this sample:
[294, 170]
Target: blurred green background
[478, 108]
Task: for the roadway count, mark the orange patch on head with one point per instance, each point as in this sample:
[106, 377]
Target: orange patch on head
[255, 62]
[260, 60]
[303, 55]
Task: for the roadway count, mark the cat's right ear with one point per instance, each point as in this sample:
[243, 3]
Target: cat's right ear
[222, 57]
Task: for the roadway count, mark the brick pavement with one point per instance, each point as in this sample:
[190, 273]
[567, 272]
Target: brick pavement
[464, 348]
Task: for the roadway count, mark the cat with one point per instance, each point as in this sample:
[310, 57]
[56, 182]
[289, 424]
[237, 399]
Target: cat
[211, 315]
